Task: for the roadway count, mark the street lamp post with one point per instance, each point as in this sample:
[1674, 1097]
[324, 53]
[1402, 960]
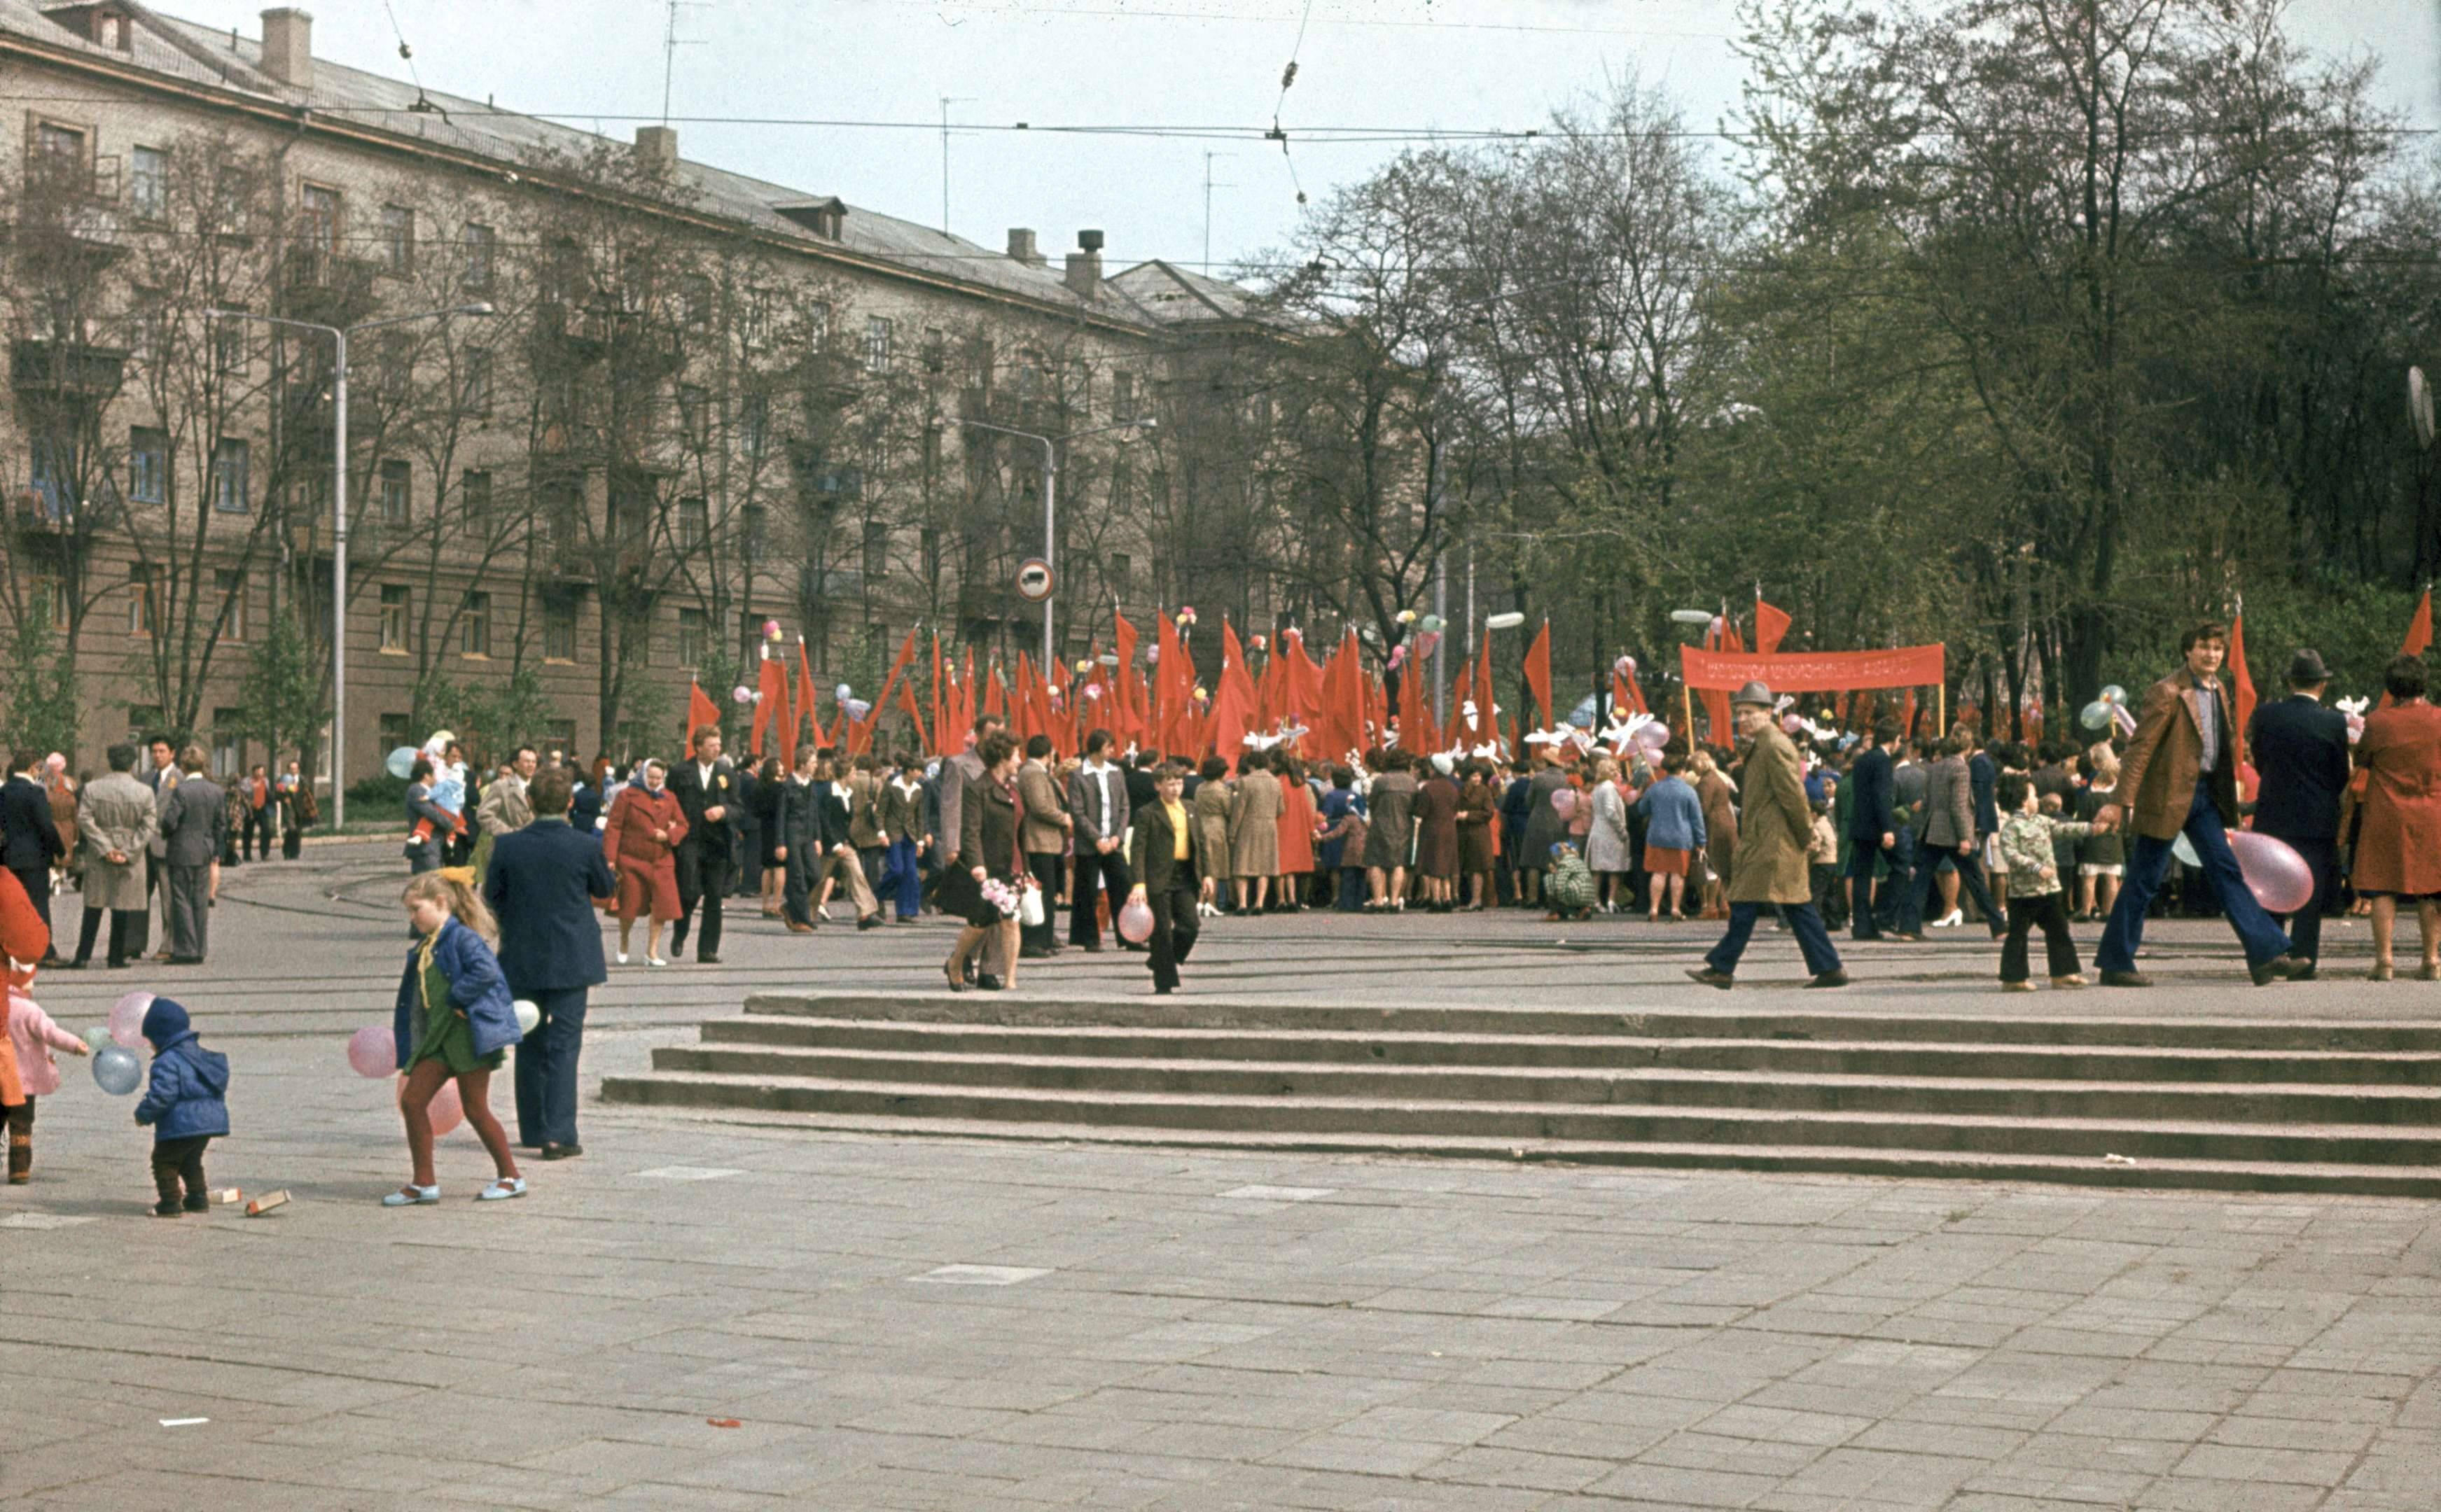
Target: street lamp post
[340, 335]
[1050, 475]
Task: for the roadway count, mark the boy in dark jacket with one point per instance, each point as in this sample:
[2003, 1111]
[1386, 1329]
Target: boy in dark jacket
[185, 1105]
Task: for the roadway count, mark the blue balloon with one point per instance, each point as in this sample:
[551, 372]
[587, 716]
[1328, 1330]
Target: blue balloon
[2096, 716]
[116, 1071]
[401, 762]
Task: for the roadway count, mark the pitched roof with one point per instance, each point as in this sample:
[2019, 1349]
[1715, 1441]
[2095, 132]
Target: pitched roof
[224, 59]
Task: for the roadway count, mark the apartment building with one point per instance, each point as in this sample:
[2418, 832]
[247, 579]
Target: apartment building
[608, 410]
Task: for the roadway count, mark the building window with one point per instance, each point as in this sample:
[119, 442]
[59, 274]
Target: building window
[876, 549]
[1080, 388]
[695, 301]
[694, 525]
[321, 216]
[754, 424]
[394, 601]
[876, 343]
[147, 183]
[228, 742]
[476, 244]
[398, 240]
[140, 599]
[50, 601]
[1123, 482]
[817, 326]
[1029, 374]
[559, 629]
[228, 476]
[393, 733]
[228, 343]
[695, 407]
[1122, 576]
[750, 527]
[694, 636]
[148, 464]
[474, 625]
[475, 382]
[559, 737]
[937, 348]
[397, 493]
[756, 326]
[51, 469]
[1123, 397]
[231, 582]
[475, 498]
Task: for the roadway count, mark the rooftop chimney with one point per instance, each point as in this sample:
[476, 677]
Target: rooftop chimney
[657, 147]
[1085, 265]
[1021, 246]
[288, 45]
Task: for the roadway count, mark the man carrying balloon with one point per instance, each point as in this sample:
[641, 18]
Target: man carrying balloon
[2179, 777]
[1161, 903]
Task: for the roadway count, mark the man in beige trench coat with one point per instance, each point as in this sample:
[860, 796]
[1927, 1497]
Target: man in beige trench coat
[1771, 870]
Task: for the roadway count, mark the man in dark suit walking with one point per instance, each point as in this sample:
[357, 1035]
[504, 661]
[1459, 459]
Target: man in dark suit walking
[193, 819]
[1872, 826]
[707, 795]
[1164, 864]
[2300, 756]
[30, 842]
[1098, 804]
[544, 882]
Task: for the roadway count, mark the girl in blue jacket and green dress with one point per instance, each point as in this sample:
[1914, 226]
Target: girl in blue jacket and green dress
[455, 1021]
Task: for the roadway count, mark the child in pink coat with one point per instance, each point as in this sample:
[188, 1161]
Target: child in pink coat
[33, 1036]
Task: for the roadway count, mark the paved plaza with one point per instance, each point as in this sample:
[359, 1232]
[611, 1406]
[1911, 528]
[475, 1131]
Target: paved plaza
[717, 1312]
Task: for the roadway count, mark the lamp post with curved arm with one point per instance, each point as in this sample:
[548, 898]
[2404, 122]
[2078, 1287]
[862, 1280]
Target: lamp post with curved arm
[340, 335]
[1050, 483]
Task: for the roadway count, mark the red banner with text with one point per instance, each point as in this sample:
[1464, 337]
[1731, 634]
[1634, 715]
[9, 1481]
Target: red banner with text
[1814, 670]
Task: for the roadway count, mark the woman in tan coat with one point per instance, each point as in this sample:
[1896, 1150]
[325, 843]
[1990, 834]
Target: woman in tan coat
[1254, 834]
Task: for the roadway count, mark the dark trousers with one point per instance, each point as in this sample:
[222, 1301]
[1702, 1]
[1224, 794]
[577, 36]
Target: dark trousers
[2305, 926]
[1095, 870]
[749, 882]
[258, 824]
[546, 1068]
[190, 918]
[1174, 930]
[2148, 860]
[903, 878]
[1046, 866]
[703, 879]
[797, 889]
[127, 931]
[2050, 910]
[21, 1140]
[1812, 937]
[1970, 881]
[1863, 922]
[36, 880]
[176, 1160]
[292, 842]
[1895, 903]
[1823, 878]
[1351, 889]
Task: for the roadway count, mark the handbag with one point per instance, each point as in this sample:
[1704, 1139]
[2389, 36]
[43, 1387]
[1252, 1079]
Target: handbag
[1029, 906]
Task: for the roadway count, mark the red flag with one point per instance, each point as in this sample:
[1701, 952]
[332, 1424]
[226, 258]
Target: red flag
[859, 733]
[1538, 673]
[1173, 680]
[1125, 684]
[2241, 681]
[1770, 624]
[771, 708]
[807, 711]
[1723, 636]
[701, 713]
[2419, 639]
[1233, 702]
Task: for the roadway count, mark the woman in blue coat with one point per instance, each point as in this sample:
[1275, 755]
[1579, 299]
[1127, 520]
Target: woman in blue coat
[1673, 832]
[455, 1021]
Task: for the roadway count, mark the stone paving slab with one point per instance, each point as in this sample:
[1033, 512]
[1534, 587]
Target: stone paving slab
[1170, 1329]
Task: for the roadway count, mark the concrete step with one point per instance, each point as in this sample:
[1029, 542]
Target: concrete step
[2114, 1022]
[2160, 1175]
[2142, 1138]
[1793, 1092]
[1586, 1053]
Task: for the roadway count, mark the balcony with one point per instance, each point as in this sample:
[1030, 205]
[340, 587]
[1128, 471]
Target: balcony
[73, 201]
[66, 370]
[324, 287]
[582, 333]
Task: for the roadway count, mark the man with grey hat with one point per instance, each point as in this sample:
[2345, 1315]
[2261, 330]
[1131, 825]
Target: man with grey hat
[2300, 757]
[1772, 833]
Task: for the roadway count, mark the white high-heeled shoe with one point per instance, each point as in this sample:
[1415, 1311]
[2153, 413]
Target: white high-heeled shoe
[655, 961]
[622, 958]
[1956, 917]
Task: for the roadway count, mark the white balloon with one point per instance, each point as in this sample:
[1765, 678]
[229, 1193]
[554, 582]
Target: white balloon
[529, 1016]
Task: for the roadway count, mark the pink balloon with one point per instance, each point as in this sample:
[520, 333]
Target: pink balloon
[447, 1110]
[1790, 724]
[2275, 874]
[1136, 921]
[373, 1052]
[1564, 801]
[127, 1019]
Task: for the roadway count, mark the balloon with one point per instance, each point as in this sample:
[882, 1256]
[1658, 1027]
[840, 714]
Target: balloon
[116, 1071]
[2275, 874]
[1508, 620]
[742, 693]
[1136, 921]
[127, 1019]
[401, 762]
[373, 1052]
[2184, 850]
[529, 1016]
[1652, 736]
[2096, 715]
[1564, 801]
[1430, 625]
[1790, 724]
[2114, 694]
[447, 1109]
[97, 1036]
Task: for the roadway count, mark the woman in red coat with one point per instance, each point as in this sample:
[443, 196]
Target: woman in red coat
[1298, 825]
[2398, 850]
[642, 843]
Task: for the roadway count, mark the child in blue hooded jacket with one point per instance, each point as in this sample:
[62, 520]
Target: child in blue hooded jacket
[187, 1106]
[455, 1021]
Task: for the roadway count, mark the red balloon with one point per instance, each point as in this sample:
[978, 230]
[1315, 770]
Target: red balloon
[372, 1051]
[2275, 874]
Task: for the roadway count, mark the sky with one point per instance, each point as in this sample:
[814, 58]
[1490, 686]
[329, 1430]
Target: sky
[1404, 66]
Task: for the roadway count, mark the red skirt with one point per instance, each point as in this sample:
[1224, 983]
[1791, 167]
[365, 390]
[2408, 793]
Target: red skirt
[1663, 862]
[652, 889]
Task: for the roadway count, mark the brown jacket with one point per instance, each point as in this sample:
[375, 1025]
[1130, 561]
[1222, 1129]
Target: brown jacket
[1044, 830]
[1775, 828]
[2156, 776]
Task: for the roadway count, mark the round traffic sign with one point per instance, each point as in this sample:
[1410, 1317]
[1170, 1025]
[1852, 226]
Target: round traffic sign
[1034, 580]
